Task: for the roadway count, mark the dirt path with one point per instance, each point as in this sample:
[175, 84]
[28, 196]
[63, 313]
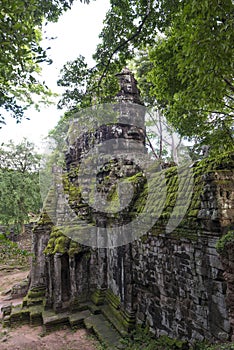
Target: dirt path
[30, 338]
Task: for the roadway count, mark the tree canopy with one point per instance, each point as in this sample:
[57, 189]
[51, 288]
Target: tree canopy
[192, 74]
[183, 52]
[21, 52]
[19, 180]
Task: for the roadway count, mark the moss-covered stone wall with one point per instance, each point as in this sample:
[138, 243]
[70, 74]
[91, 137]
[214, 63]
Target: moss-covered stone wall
[170, 276]
[177, 283]
[179, 280]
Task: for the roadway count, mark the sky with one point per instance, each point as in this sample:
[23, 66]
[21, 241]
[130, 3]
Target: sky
[76, 34]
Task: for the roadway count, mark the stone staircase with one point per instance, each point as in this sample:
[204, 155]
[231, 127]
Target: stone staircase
[98, 320]
[92, 318]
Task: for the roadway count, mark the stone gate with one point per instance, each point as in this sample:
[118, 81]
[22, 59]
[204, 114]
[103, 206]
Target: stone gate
[176, 283]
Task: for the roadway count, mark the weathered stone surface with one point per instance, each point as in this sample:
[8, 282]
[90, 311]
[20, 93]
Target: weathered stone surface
[228, 263]
[39, 242]
[20, 289]
[6, 310]
[176, 283]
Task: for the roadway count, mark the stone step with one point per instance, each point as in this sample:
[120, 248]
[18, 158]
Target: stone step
[27, 301]
[77, 319]
[104, 331]
[53, 321]
[93, 308]
[36, 315]
[19, 316]
[108, 312]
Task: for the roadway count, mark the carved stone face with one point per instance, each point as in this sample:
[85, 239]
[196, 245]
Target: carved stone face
[128, 87]
[134, 133]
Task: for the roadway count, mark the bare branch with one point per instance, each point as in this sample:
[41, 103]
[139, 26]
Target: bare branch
[152, 148]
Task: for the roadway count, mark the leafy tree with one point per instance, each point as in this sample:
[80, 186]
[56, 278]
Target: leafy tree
[20, 35]
[186, 65]
[162, 140]
[84, 85]
[19, 183]
[192, 74]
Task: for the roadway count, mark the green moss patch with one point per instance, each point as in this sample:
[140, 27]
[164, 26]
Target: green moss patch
[224, 242]
[167, 189]
[58, 242]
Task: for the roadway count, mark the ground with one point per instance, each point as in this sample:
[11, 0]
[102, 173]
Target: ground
[31, 338]
[8, 278]
[28, 338]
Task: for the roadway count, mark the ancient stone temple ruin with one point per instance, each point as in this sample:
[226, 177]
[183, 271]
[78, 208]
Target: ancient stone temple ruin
[178, 281]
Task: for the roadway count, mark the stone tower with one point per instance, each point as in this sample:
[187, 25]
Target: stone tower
[59, 268]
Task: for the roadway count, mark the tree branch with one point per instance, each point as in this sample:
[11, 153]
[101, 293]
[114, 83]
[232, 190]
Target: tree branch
[152, 148]
[230, 97]
[229, 84]
[213, 112]
[229, 133]
[229, 107]
[125, 42]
